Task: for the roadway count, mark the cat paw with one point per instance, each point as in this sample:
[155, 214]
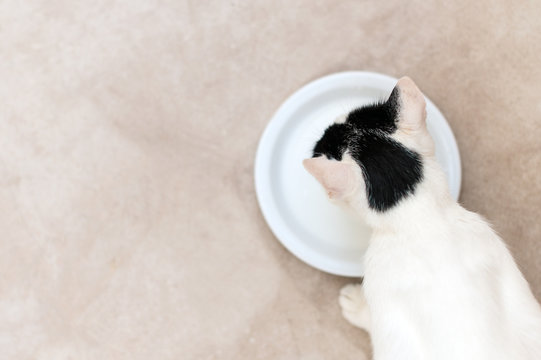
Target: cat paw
[354, 306]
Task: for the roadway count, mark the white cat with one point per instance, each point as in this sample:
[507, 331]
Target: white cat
[439, 283]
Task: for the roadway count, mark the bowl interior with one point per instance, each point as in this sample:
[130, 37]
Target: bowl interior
[294, 204]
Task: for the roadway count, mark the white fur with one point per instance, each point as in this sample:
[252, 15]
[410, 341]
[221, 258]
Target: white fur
[439, 283]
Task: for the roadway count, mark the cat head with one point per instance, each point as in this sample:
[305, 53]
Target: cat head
[373, 159]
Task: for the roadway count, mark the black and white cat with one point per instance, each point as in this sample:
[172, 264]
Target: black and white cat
[439, 283]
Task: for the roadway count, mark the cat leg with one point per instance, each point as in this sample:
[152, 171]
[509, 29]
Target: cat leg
[354, 306]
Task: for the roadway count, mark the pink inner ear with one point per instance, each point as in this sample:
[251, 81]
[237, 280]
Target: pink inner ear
[335, 176]
[413, 107]
[315, 166]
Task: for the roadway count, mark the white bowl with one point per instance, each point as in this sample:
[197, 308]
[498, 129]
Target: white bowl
[293, 203]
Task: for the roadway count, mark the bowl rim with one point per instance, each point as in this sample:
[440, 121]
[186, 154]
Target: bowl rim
[262, 173]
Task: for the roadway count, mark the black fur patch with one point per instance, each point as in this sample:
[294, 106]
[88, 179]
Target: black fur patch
[379, 116]
[391, 171]
[334, 141]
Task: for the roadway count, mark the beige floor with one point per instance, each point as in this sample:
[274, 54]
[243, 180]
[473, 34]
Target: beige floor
[129, 224]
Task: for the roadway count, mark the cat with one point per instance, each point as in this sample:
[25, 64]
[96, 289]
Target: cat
[439, 283]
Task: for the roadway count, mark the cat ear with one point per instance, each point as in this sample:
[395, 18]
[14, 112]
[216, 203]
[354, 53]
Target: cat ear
[412, 106]
[337, 177]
